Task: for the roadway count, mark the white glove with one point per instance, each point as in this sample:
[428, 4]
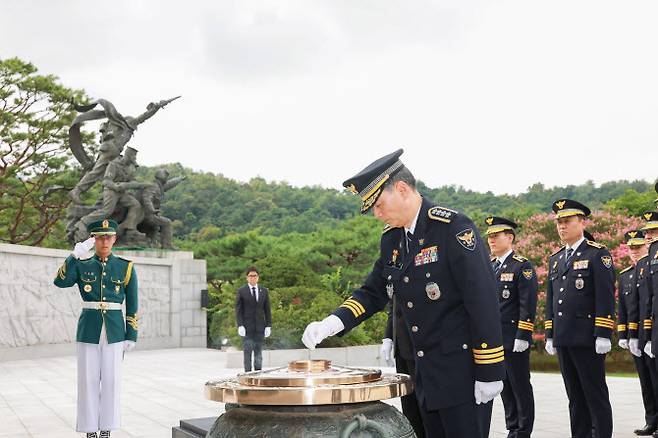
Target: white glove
[386, 349]
[520, 346]
[487, 391]
[647, 350]
[241, 331]
[316, 331]
[268, 332]
[603, 345]
[623, 343]
[634, 347]
[549, 347]
[82, 248]
[128, 345]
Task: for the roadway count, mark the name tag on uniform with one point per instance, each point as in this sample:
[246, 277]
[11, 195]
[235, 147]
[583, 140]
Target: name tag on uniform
[507, 276]
[581, 264]
[427, 255]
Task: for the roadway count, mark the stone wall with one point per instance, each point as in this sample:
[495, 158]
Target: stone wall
[38, 319]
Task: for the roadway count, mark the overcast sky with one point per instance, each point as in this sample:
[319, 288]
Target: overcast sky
[490, 95]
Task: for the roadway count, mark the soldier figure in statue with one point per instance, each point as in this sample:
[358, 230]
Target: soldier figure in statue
[115, 133]
[151, 198]
[119, 177]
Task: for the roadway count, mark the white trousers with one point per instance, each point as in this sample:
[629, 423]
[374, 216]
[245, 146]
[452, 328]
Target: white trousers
[99, 385]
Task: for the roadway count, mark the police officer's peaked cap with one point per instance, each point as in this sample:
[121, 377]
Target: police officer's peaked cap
[370, 182]
[651, 219]
[634, 238]
[588, 236]
[497, 224]
[569, 207]
[103, 227]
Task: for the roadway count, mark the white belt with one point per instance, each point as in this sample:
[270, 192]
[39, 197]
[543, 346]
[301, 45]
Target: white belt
[97, 305]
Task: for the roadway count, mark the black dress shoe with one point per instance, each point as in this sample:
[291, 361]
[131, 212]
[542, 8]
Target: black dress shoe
[646, 430]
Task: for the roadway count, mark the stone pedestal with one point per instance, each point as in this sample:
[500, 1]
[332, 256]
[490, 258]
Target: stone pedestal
[38, 319]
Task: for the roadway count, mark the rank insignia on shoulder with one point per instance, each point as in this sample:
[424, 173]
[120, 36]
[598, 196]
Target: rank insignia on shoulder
[527, 273]
[625, 270]
[519, 258]
[441, 214]
[607, 261]
[581, 264]
[595, 245]
[387, 228]
[466, 239]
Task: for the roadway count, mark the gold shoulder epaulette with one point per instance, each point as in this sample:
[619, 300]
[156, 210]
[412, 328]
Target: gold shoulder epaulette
[555, 253]
[595, 244]
[646, 255]
[626, 270]
[387, 228]
[441, 214]
[519, 258]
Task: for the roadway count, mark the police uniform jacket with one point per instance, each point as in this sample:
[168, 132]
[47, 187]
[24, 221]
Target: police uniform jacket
[643, 304]
[627, 309]
[103, 280]
[580, 296]
[445, 287]
[652, 305]
[517, 298]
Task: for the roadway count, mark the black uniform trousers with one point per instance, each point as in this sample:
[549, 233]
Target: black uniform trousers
[646, 371]
[409, 402]
[583, 372]
[517, 395]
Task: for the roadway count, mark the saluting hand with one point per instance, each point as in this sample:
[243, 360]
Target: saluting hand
[82, 248]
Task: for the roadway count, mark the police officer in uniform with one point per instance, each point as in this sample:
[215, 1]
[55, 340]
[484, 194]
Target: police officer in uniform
[105, 281]
[397, 343]
[633, 298]
[434, 264]
[517, 297]
[580, 303]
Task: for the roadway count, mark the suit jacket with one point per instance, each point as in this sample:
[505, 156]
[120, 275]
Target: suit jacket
[444, 283]
[254, 316]
[580, 296]
[517, 298]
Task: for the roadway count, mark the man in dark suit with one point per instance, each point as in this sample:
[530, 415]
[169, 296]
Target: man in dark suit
[254, 318]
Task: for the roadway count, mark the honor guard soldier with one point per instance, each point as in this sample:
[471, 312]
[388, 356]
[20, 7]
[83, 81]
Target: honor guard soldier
[517, 298]
[633, 299]
[433, 263]
[580, 303]
[105, 282]
[397, 343]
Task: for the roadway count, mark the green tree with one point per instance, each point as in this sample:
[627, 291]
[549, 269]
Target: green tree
[34, 162]
[632, 202]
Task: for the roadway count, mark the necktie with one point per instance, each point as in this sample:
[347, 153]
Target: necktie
[496, 266]
[568, 257]
[409, 238]
[253, 293]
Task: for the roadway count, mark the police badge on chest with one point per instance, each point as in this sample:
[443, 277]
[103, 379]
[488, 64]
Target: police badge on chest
[432, 290]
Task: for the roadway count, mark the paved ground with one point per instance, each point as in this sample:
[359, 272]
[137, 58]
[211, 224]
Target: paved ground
[37, 397]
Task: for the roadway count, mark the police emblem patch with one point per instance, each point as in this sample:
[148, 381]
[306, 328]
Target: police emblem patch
[87, 288]
[432, 290]
[607, 261]
[527, 273]
[389, 290]
[466, 239]
[580, 283]
[506, 294]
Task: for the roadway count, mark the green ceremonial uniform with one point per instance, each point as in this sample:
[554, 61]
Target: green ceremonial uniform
[104, 281]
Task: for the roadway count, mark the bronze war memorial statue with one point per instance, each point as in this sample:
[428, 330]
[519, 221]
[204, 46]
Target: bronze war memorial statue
[135, 205]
